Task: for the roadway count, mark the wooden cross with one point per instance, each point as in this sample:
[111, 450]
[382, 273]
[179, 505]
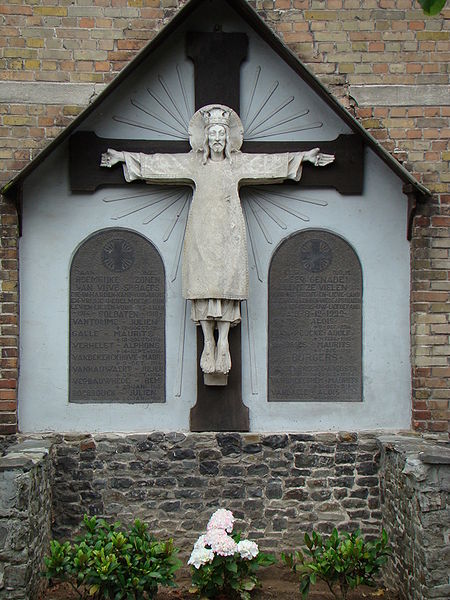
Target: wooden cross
[217, 82]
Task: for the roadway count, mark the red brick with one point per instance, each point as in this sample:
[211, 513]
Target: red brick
[8, 384]
[422, 415]
[15, 9]
[7, 406]
[422, 371]
[102, 66]
[437, 426]
[420, 405]
[430, 296]
[87, 22]
[8, 429]
[129, 44]
[440, 221]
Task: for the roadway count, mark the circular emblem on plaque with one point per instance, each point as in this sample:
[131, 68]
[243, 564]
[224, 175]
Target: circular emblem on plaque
[316, 255]
[118, 255]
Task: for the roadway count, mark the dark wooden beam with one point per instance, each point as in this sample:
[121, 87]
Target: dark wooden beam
[345, 174]
[86, 148]
[220, 408]
[217, 59]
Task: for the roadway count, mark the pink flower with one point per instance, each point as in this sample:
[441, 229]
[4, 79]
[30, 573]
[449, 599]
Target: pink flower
[220, 542]
[221, 519]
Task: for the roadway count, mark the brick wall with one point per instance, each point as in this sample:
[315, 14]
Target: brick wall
[385, 61]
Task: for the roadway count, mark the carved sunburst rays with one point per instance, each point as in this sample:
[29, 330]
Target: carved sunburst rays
[269, 114]
[169, 112]
[266, 205]
[155, 203]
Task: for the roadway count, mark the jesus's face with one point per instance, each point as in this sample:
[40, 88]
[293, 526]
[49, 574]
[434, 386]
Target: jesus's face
[217, 137]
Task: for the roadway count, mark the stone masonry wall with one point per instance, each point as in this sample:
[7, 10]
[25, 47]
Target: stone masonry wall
[278, 486]
[415, 487]
[25, 517]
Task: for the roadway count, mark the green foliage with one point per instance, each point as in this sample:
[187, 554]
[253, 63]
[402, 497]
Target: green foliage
[343, 562]
[432, 7]
[107, 562]
[231, 576]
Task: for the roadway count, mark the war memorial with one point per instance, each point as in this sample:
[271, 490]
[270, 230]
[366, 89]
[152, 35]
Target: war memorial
[215, 311]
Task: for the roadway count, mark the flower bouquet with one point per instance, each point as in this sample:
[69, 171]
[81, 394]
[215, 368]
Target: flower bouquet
[224, 564]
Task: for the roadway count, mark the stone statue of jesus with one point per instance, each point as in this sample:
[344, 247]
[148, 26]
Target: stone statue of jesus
[215, 265]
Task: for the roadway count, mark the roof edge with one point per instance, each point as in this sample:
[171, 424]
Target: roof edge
[9, 188]
[292, 59]
[252, 17]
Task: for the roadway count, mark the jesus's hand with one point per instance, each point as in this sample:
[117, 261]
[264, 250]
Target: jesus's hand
[111, 157]
[318, 158]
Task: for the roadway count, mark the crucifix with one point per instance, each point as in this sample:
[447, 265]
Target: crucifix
[216, 130]
[215, 270]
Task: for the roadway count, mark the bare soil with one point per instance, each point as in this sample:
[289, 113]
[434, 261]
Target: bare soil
[277, 584]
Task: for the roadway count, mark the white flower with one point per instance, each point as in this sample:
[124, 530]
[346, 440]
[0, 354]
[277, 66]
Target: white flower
[221, 519]
[247, 549]
[200, 556]
[200, 543]
[220, 542]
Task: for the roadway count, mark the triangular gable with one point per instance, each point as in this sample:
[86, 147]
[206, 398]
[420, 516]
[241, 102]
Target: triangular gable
[414, 190]
[283, 109]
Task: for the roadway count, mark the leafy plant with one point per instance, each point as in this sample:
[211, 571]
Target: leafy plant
[223, 564]
[432, 7]
[107, 562]
[343, 561]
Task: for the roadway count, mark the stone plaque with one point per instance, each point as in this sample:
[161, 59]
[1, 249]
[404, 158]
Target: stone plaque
[315, 320]
[117, 324]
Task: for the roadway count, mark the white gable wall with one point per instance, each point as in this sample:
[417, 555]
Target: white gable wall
[55, 223]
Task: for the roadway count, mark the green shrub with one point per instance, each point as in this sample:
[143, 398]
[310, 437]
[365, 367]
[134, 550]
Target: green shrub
[107, 562]
[343, 561]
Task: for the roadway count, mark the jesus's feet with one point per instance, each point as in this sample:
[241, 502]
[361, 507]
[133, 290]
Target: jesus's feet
[207, 362]
[223, 358]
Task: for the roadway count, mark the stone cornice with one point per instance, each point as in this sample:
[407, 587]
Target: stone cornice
[21, 92]
[401, 95]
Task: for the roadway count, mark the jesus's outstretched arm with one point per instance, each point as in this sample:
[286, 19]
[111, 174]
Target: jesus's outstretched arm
[174, 169]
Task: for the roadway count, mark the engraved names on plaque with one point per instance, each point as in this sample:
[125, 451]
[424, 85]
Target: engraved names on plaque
[315, 320]
[117, 320]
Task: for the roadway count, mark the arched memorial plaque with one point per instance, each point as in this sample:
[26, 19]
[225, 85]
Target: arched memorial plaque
[117, 320]
[315, 320]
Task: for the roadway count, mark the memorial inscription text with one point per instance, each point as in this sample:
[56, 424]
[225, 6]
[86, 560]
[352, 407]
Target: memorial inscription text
[117, 307]
[315, 320]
